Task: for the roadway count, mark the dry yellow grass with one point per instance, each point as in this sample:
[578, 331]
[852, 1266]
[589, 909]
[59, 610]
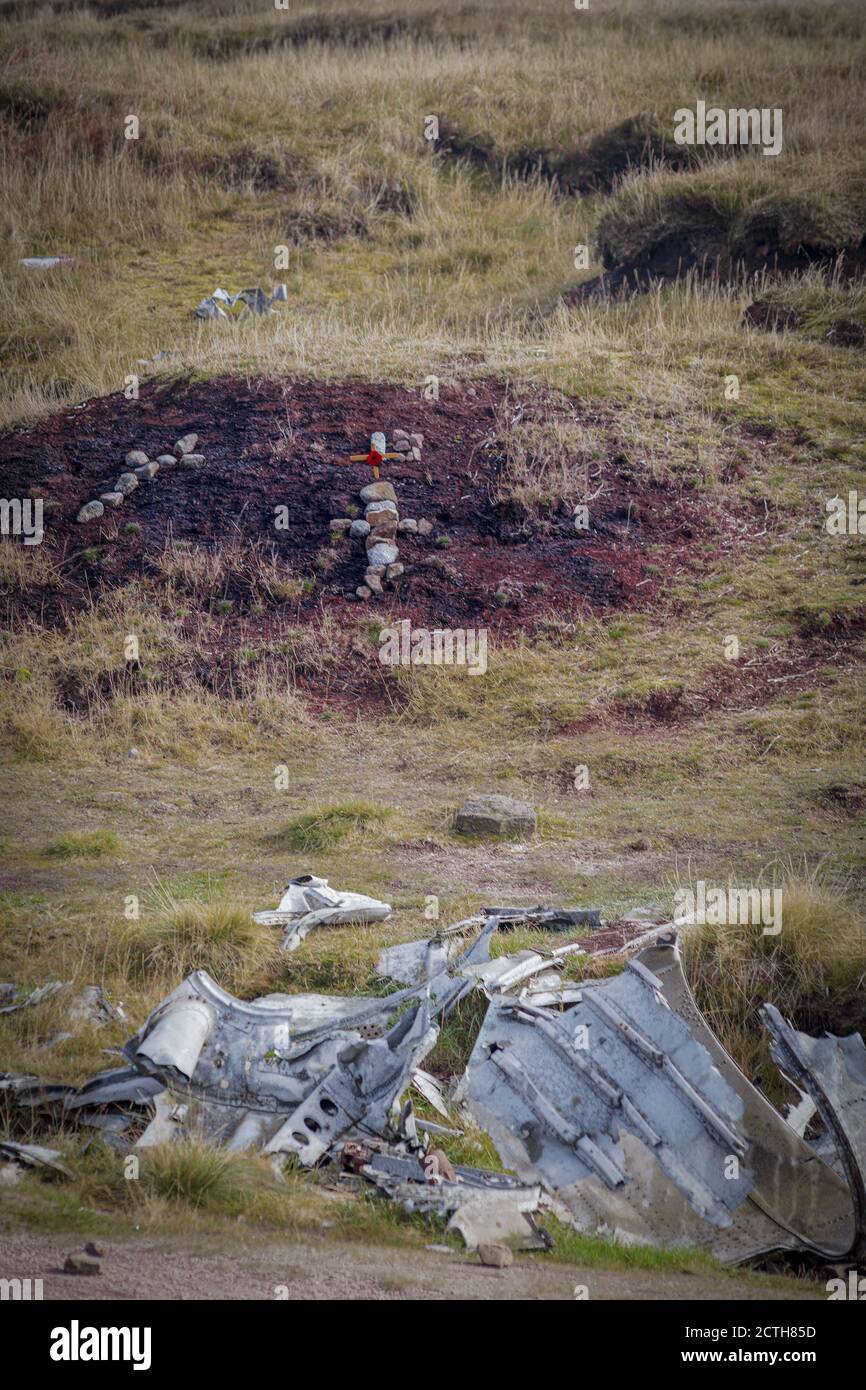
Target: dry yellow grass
[304, 129]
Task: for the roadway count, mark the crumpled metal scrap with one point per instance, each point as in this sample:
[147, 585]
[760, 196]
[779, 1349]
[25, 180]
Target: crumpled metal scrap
[555, 1092]
[310, 902]
[255, 301]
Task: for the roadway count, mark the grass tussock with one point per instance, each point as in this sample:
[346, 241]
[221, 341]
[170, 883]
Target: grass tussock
[814, 970]
[317, 831]
[84, 844]
[176, 935]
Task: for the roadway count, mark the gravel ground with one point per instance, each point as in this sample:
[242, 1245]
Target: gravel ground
[305, 1269]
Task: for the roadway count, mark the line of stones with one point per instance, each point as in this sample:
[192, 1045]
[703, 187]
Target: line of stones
[141, 469]
[382, 522]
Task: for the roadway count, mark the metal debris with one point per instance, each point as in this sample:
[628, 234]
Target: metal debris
[35, 1156]
[832, 1071]
[255, 301]
[611, 1099]
[36, 996]
[556, 1092]
[310, 902]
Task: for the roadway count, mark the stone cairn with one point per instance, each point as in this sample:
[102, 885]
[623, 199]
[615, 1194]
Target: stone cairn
[141, 469]
[382, 523]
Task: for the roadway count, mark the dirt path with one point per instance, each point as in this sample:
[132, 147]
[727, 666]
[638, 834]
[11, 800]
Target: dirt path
[304, 1269]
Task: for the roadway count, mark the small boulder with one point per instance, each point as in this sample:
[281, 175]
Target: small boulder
[90, 511]
[185, 444]
[408, 524]
[378, 492]
[382, 553]
[417, 440]
[374, 583]
[146, 471]
[424, 528]
[416, 454]
[191, 461]
[135, 458]
[111, 499]
[126, 483]
[340, 523]
[362, 591]
[380, 508]
[496, 1256]
[394, 571]
[166, 460]
[495, 815]
[359, 530]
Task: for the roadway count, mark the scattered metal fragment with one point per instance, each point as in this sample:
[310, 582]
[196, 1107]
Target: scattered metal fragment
[44, 262]
[546, 918]
[255, 301]
[493, 1202]
[408, 962]
[36, 996]
[35, 1156]
[310, 902]
[833, 1073]
[431, 1089]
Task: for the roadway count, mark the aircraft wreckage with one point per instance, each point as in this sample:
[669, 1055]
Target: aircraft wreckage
[610, 1101]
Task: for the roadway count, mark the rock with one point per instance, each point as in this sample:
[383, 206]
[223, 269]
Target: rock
[111, 499]
[91, 1249]
[126, 483]
[409, 524]
[191, 461]
[424, 528]
[378, 492]
[340, 523]
[166, 460]
[496, 1256]
[382, 553]
[399, 434]
[509, 593]
[495, 815]
[147, 471]
[373, 582]
[91, 510]
[394, 571]
[81, 1263]
[185, 444]
[382, 530]
[135, 458]
[362, 591]
[376, 569]
[359, 529]
[416, 454]
[381, 508]
[417, 440]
